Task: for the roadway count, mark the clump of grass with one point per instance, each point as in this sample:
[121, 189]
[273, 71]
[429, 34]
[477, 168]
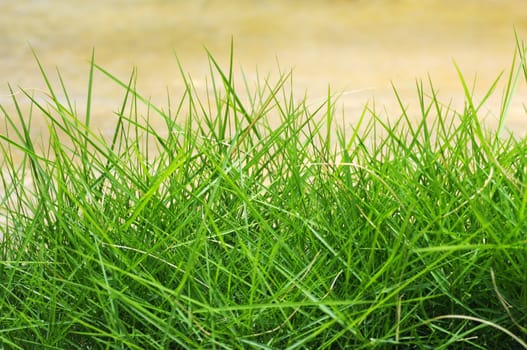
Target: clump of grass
[241, 233]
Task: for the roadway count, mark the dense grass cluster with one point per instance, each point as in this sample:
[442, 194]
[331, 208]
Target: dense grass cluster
[227, 231]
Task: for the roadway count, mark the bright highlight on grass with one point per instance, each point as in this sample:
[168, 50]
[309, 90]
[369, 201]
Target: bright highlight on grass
[224, 230]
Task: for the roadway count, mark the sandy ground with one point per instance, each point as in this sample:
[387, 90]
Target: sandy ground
[357, 46]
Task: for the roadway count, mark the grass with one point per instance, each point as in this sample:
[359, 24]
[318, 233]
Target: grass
[224, 230]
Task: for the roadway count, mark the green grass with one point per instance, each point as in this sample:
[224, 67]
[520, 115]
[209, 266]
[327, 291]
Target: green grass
[224, 230]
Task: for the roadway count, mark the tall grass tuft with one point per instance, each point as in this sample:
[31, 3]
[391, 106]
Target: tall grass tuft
[250, 220]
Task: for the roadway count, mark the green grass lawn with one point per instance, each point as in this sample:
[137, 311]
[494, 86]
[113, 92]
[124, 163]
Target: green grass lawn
[226, 231]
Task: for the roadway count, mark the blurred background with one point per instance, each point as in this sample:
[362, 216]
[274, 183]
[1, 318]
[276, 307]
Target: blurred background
[356, 46]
